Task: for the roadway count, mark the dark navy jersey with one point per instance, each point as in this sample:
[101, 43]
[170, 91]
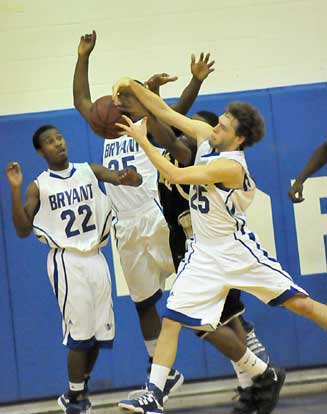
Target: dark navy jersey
[173, 197]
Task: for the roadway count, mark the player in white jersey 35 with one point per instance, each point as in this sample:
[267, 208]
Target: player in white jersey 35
[141, 231]
[67, 207]
[224, 253]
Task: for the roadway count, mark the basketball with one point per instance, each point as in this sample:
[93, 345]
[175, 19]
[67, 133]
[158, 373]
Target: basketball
[104, 115]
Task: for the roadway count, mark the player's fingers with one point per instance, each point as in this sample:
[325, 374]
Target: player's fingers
[193, 58]
[128, 120]
[201, 56]
[122, 126]
[171, 79]
[206, 59]
[211, 63]
[211, 70]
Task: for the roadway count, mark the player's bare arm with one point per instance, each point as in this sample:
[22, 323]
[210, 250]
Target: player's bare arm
[316, 161]
[81, 88]
[23, 215]
[154, 104]
[200, 70]
[228, 172]
[129, 176]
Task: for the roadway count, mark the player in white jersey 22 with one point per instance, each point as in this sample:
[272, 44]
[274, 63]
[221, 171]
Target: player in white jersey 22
[224, 253]
[141, 231]
[67, 207]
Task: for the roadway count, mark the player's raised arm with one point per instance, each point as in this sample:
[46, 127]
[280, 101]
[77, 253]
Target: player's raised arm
[316, 161]
[154, 104]
[228, 172]
[22, 215]
[81, 88]
[200, 70]
[128, 176]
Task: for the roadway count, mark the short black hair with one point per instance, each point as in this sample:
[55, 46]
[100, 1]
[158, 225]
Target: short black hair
[38, 132]
[251, 124]
[210, 117]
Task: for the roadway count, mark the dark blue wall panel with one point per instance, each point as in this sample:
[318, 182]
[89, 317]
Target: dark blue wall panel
[32, 356]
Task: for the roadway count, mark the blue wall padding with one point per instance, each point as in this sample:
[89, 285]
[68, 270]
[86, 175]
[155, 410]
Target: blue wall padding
[32, 357]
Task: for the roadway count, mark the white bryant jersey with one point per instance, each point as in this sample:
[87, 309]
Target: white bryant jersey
[122, 152]
[74, 212]
[216, 210]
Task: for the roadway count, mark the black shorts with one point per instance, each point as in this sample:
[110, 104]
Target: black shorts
[233, 306]
[177, 242]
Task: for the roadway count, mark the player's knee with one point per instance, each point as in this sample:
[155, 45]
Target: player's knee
[300, 304]
[170, 326]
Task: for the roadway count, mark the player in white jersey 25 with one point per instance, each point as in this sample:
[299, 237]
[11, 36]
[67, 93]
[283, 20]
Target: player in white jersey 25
[174, 199]
[67, 207]
[224, 253]
[141, 231]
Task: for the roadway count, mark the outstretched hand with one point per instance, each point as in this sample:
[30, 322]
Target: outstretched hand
[138, 132]
[157, 80]
[296, 192]
[86, 44]
[14, 174]
[202, 68]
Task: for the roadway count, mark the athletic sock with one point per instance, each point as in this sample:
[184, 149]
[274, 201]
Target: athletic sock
[244, 379]
[158, 376]
[251, 364]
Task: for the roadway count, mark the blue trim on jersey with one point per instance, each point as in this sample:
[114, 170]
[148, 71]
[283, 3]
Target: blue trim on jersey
[284, 297]
[211, 154]
[265, 253]
[264, 264]
[222, 187]
[158, 204]
[55, 273]
[115, 230]
[66, 283]
[102, 187]
[149, 301]
[72, 172]
[47, 235]
[180, 317]
[105, 236]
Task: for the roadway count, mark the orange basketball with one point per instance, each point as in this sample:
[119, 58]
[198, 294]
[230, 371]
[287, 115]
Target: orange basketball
[104, 115]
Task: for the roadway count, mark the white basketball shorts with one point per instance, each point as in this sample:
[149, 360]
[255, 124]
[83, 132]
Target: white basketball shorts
[212, 267]
[82, 285]
[143, 244]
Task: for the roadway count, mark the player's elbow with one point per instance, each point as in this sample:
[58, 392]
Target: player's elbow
[23, 233]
